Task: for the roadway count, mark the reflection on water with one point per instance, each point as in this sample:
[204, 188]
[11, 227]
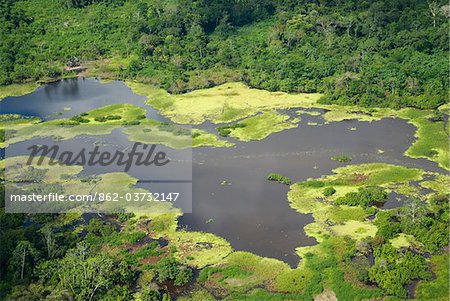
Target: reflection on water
[70, 97]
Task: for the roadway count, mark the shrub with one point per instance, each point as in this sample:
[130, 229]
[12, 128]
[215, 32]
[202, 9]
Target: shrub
[329, 191]
[313, 184]
[107, 118]
[169, 269]
[79, 119]
[132, 122]
[100, 118]
[392, 270]
[365, 197]
[225, 131]
[101, 228]
[279, 178]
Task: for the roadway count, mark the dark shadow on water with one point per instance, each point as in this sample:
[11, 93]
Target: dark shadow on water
[52, 101]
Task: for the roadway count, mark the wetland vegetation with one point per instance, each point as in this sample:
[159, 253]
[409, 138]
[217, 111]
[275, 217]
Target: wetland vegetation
[259, 91]
[340, 204]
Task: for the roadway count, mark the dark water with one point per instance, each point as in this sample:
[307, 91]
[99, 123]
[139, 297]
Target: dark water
[250, 212]
[80, 95]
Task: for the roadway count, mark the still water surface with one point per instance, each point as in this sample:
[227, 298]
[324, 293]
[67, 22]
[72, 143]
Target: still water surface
[231, 196]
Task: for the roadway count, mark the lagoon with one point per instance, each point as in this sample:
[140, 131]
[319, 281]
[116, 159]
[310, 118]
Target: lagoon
[231, 195]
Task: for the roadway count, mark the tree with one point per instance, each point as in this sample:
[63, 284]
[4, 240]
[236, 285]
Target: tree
[413, 209]
[196, 40]
[49, 240]
[392, 269]
[84, 275]
[434, 9]
[23, 253]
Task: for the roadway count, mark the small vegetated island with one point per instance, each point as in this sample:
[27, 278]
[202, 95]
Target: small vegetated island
[279, 178]
[341, 158]
[239, 65]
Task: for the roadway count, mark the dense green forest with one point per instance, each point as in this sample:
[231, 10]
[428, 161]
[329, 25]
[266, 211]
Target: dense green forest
[371, 53]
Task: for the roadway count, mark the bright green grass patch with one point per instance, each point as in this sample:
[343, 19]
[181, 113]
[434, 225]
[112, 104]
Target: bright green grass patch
[355, 229]
[265, 268]
[17, 89]
[294, 281]
[126, 112]
[241, 271]
[376, 174]
[339, 113]
[260, 126]
[437, 289]
[163, 223]
[403, 241]
[58, 132]
[15, 119]
[340, 214]
[259, 294]
[224, 103]
[204, 138]
[432, 138]
[199, 249]
[158, 98]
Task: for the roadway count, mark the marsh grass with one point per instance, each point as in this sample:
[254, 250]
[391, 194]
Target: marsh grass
[242, 271]
[17, 89]
[103, 121]
[258, 127]
[432, 137]
[224, 103]
[233, 101]
[436, 289]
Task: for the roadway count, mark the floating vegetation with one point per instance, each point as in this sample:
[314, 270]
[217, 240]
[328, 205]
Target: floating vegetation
[341, 158]
[279, 178]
